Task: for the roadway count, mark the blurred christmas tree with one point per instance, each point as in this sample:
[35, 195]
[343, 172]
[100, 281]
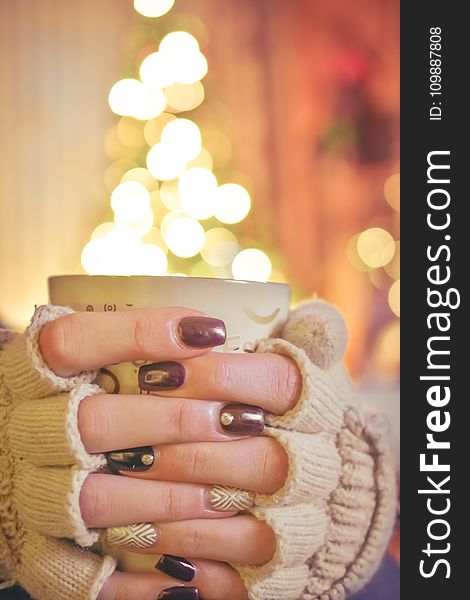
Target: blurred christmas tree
[169, 214]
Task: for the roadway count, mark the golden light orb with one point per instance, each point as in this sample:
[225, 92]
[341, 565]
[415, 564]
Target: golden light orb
[375, 247]
[183, 137]
[220, 247]
[185, 237]
[165, 162]
[197, 188]
[394, 297]
[153, 8]
[232, 203]
[252, 265]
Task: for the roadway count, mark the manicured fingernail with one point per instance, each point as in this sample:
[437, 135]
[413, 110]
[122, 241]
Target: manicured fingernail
[179, 593]
[242, 419]
[131, 459]
[138, 535]
[202, 332]
[177, 567]
[225, 498]
[161, 376]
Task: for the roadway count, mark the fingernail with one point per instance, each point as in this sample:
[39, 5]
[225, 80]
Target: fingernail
[179, 593]
[138, 535]
[161, 376]
[131, 459]
[242, 419]
[177, 567]
[202, 332]
[223, 498]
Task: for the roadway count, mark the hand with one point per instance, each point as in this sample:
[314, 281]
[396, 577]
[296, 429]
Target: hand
[181, 429]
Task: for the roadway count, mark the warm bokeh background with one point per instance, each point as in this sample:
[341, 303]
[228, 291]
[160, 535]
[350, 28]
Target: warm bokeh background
[301, 101]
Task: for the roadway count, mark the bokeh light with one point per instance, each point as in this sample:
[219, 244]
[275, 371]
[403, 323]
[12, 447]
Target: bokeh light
[179, 43]
[155, 237]
[155, 71]
[142, 176]
[129, 132]
[102, 230]
[197, 189]
[220, 247]
[130, 196]
[153, 8]
[165, 162]
[392, 191]
[393, 267]
[152, 260]
[140, 222]
[185, 237]
[394, 297]
[130, 97]
[252, 264]
[154, 127]
[232, 203]
[182, 97]
[170, 196]
[183, 137]
[203, 159]
[375, 247]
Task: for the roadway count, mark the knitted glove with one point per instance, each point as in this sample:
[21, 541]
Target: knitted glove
[334, 515]
[43, 465]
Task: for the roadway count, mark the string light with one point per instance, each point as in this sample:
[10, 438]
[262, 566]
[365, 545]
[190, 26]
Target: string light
[183, 137]
[152, 218]
[185, 237]
[130, 97]
[153, 8]
[394, 297]
[232, 203]
[197, 188]
[155, 71]
[220, 247]
[392, 191]
[142, 176]
[165, 162]
[130, 196]
[182, 97]
[375, 247]
[252, 264]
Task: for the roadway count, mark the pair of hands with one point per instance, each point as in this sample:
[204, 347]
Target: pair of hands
[178, 424]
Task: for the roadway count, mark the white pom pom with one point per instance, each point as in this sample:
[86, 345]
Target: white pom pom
[320, 330]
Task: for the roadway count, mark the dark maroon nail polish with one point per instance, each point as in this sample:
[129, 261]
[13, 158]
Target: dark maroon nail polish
[177, 567]
[202, 332]
[131, 459]
[179, 593]
[242, 419]
[167, 375]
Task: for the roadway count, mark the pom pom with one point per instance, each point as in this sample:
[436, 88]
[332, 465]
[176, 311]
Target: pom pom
[319, 329]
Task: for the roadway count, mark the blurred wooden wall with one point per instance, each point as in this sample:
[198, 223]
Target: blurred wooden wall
[58, 60]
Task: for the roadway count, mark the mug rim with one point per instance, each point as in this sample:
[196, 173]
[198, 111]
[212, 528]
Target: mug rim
[166, 277]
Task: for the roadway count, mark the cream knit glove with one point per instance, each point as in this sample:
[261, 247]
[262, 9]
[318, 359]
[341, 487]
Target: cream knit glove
[334, 515]
[43, 465]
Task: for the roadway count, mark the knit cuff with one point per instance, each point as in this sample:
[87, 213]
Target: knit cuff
[55, 569]
[48, 501]
[26, 374]
[362, 511]
[45, 432]
[318, 408]
[300, 531]
[314, 468]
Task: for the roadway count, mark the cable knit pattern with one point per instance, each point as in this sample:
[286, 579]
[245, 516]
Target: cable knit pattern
[43, 466]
